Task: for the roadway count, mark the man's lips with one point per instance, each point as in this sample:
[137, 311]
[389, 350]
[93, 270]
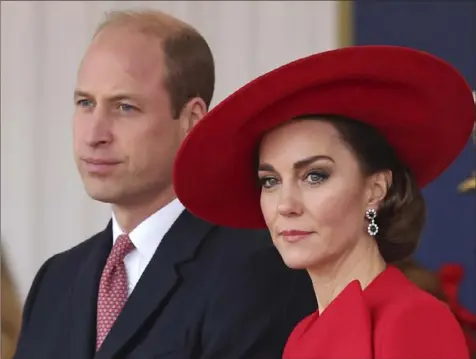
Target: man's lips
[100, 161]
[99, 165]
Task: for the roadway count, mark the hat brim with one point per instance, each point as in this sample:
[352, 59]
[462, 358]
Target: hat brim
[419, 103]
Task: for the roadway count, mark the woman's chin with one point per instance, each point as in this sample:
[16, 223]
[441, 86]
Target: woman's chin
[297, 262]
[298, 257]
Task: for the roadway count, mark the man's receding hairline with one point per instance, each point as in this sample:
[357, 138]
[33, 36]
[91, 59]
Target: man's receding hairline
[152, 22]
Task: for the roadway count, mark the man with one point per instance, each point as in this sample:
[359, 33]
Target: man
[157, 282]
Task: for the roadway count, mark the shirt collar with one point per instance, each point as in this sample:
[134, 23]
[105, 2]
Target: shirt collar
[147, 236]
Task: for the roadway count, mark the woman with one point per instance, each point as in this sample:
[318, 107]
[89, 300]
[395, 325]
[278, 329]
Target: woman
[330, 153]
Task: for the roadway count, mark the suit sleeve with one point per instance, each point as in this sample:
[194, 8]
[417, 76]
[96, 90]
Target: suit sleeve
[256, 309]
[30, 301]
[427, 330]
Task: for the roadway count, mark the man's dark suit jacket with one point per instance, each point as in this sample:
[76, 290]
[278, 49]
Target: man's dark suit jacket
[209, 292]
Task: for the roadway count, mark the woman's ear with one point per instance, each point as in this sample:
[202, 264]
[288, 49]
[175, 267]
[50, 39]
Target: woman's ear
[378, 185]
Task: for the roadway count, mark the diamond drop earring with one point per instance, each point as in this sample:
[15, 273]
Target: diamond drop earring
[371, 214]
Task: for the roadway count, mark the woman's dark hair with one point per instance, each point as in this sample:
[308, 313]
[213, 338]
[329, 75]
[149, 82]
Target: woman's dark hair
[402, 214]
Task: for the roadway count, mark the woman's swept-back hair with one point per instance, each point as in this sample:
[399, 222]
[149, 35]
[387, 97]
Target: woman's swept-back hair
[402, 214]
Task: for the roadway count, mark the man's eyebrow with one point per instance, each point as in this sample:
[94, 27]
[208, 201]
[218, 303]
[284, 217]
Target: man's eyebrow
[80, 93]
[114, 98]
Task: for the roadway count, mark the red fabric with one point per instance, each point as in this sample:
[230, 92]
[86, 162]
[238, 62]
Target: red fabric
[113, 288]
[421, 104]
[391, 319]
[451, 276]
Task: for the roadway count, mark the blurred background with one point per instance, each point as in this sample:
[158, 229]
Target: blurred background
[44, 209]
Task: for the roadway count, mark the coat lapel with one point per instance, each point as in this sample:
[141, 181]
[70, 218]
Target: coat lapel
[84, 297]
[157, 282]
[344, 330]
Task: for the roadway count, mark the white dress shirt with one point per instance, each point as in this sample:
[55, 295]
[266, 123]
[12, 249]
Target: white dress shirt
[146, 238]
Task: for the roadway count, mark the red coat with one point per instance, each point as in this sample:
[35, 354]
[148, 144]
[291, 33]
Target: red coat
[391, 319]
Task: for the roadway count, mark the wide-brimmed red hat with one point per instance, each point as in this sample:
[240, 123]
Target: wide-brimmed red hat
[419, 103]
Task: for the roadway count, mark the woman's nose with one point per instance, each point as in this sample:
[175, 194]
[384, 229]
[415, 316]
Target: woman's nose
[289, 204]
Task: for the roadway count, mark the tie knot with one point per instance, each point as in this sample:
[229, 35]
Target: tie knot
[121, 248]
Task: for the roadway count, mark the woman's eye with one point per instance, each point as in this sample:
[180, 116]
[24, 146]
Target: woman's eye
[268, 182]
[316, 177]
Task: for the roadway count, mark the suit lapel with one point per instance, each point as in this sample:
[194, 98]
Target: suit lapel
[157, 282]
[84, 297]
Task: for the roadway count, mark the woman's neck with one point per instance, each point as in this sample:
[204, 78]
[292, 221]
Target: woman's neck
[363, 263]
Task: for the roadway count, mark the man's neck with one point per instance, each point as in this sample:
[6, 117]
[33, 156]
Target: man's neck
[130, 216]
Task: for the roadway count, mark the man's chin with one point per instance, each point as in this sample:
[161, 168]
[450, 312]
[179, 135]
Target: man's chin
[107, 197]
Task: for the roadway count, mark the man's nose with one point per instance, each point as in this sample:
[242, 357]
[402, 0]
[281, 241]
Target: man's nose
[100, 129]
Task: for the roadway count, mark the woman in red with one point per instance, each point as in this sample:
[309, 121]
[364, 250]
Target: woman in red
[330, 153]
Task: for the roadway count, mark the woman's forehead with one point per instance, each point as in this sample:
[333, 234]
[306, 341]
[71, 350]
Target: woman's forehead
[301, 136]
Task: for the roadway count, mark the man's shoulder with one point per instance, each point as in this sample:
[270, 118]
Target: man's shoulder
[253, 274]
[251, 251]
[243, 238]
[54, 277]
[233, 246]
[74, 256]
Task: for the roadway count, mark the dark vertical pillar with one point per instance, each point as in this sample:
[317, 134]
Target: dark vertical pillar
[448, 30]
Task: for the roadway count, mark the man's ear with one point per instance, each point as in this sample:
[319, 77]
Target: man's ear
[378, 185]
[192, 112]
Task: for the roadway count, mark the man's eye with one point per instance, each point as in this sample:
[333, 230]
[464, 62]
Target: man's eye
[84, 103]
[126, 107]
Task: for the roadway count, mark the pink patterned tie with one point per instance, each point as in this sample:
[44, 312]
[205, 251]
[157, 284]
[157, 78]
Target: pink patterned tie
[113, 290]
